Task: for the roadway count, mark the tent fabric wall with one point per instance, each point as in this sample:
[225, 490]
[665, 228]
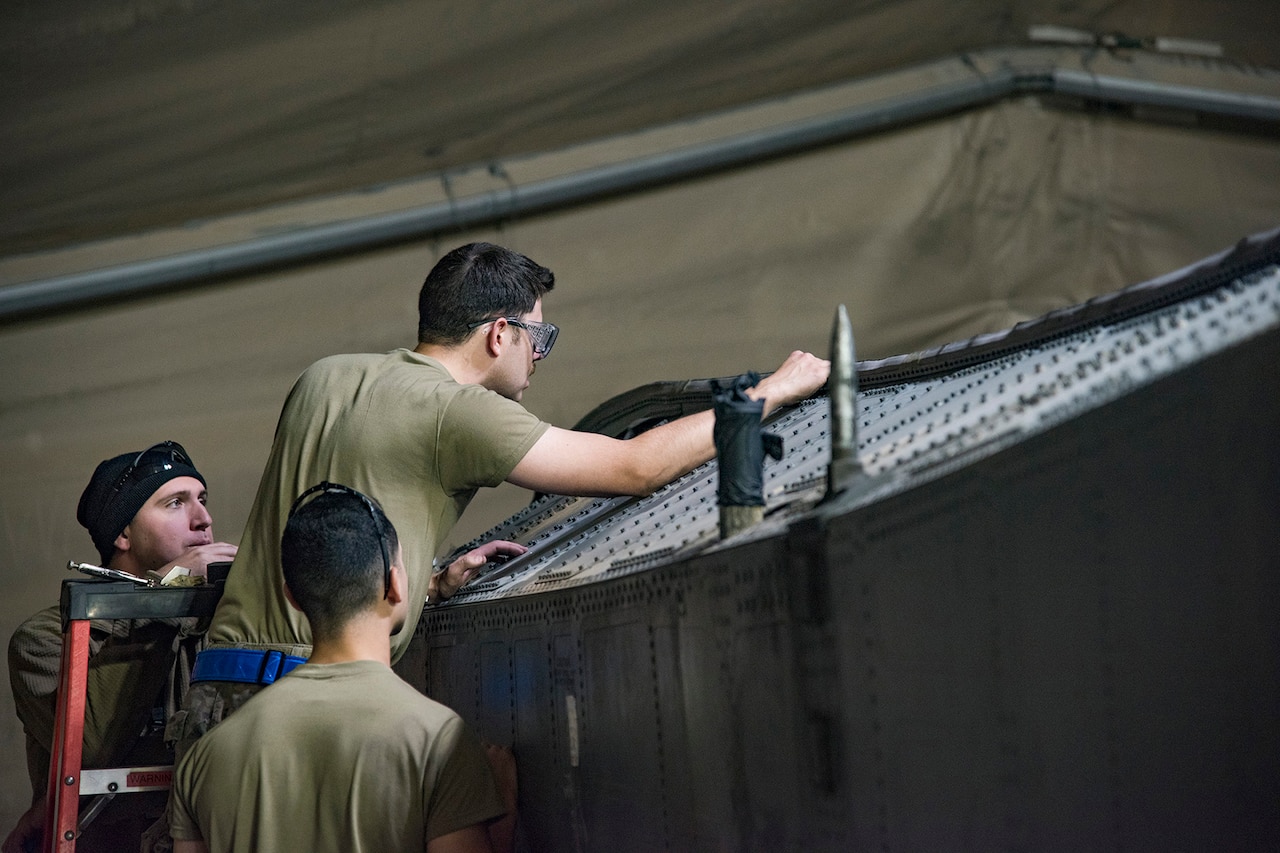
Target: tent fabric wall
[928, 234]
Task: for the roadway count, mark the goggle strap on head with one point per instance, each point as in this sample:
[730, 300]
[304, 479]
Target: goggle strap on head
[326, 486]
[176, 455]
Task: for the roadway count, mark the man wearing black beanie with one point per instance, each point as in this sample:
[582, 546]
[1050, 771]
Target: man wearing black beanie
[145, 512]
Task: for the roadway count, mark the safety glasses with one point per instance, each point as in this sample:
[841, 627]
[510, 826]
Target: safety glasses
[542, 335]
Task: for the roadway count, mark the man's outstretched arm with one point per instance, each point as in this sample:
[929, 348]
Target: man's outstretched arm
[567, 462]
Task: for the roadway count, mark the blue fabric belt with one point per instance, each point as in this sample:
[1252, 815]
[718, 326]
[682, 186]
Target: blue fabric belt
[247, 666]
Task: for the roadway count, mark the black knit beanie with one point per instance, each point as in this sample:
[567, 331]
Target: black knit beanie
[122, 484]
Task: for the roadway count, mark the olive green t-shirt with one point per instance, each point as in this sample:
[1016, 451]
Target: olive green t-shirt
[397, 427]
[341, 757]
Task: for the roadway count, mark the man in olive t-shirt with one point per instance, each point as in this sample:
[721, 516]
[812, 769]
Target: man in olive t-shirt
[341, 755]
[421, 430]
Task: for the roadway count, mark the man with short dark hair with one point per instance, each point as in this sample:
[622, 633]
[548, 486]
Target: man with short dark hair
[424, 429]
[341, 755]
[145, 511]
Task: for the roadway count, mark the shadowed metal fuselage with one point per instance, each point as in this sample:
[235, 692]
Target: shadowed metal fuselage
[1043, 617]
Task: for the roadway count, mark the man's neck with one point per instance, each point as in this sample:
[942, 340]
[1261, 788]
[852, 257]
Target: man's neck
[123, 562]
[360, 639]
[464, 363]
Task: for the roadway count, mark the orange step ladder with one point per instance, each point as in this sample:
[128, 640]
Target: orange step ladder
[81, 601]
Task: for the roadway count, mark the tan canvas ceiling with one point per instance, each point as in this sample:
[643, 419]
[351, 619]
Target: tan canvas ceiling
[121, 115]
[143, 130]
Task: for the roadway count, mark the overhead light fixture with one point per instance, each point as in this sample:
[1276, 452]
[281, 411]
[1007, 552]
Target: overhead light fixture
[1053, 34]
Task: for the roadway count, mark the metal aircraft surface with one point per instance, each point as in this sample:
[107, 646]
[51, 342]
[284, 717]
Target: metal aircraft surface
[1033, 605]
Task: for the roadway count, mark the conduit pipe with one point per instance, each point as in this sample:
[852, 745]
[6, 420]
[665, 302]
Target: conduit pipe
[313, 243]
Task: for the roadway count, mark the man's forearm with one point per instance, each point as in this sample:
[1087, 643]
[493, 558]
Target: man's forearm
[502, 833]
[190, 847]
[565, 462]
[673, 449]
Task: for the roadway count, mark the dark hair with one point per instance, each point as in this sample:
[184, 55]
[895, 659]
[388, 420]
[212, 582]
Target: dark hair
[475, 282]
[332, 556]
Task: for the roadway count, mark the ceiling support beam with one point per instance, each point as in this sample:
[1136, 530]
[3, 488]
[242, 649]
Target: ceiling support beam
[1009, 78]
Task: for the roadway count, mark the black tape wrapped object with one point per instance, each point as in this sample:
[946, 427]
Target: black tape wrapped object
[740, 442]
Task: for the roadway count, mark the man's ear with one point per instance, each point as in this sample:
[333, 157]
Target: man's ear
[122, 541]
[399, 587]
[289, 595]
[493, 340]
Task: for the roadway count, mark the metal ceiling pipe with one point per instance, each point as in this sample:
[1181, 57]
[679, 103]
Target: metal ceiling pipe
[1151, 94]
[310, 244]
